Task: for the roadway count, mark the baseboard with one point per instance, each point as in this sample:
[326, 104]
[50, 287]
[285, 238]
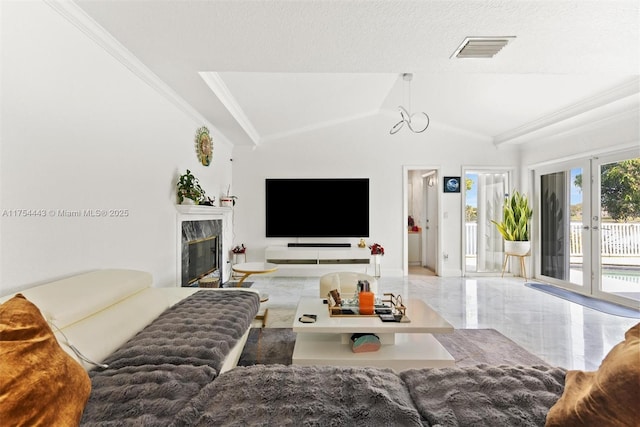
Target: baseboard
[317, 271]
[319, 245]
[452, 272]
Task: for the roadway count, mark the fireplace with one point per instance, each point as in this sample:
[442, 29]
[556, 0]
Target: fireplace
[201, 250]
[202, 259]
[203, 245]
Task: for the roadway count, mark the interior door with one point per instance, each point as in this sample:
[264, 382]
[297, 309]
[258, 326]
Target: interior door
[430, 226]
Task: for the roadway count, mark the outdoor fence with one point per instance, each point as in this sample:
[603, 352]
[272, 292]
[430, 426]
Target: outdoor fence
[617, 240]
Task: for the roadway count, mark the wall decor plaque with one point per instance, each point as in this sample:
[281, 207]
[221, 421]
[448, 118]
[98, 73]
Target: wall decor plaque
[204, 146]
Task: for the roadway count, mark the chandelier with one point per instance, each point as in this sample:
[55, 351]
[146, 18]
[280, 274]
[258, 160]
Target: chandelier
[419, 124]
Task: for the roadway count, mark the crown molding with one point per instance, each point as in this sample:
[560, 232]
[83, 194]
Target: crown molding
[89, 27]
[221, 90]
[589, 105]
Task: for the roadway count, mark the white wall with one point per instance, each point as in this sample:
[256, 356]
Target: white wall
[619, 132]
[80, 131]
[361, 148]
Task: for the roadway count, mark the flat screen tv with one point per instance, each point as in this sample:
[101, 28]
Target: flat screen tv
[328, 207]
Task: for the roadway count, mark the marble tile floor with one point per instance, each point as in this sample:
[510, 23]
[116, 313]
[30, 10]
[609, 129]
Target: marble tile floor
[560, 332]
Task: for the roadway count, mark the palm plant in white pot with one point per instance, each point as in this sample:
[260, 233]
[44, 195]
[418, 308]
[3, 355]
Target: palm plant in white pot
[514, 226]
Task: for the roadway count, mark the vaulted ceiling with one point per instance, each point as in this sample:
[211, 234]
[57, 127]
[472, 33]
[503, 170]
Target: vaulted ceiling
[262, 70]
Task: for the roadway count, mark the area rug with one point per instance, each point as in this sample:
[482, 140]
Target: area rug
[268, 346]
[469, 347]
[595, 304]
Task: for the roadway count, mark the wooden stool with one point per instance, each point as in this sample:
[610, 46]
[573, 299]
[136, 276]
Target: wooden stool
[522, 264]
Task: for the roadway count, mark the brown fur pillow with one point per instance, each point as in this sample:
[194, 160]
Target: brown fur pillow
[608, 397]
[40, 384]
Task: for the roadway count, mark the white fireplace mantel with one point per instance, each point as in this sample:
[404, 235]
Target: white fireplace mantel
[202, 210]
[206, 213]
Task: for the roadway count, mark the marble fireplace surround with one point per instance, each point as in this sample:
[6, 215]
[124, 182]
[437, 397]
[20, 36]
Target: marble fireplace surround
[189, 213]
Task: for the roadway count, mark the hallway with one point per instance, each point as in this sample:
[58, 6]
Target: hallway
[416, 270]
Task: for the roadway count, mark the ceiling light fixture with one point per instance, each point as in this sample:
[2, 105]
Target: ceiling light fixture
[405, 116]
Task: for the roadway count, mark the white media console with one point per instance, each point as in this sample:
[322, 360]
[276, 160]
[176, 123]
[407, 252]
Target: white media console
[318, 260]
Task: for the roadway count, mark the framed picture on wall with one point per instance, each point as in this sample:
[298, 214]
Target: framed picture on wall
[451, 184]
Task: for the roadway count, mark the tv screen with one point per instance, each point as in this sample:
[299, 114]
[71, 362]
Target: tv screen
[330, 207]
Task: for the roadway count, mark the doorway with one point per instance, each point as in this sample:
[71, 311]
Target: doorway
[590, 226]
[421, 234]
[484, 194]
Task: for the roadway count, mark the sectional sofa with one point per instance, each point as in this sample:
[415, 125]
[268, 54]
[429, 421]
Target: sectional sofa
[107, 348]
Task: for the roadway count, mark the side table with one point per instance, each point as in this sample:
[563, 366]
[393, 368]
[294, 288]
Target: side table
[249, 268]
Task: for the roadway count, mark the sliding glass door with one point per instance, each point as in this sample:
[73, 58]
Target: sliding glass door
[589, 234]
[563, 228]
[617, 182]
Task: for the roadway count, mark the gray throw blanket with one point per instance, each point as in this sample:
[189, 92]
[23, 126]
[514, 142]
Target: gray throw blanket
[485, 395]
[278, 395]
[153, 375]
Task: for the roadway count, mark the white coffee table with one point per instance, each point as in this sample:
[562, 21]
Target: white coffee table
[404, 345]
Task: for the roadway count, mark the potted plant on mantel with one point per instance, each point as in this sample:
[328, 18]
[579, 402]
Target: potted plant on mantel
[514, 226]
[188, 188]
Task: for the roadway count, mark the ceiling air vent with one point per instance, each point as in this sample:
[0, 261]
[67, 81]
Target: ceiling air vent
[481, 47]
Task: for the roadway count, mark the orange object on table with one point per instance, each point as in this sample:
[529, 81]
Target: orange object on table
[366, 303]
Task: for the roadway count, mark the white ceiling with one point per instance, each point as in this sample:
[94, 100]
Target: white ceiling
[262, 70]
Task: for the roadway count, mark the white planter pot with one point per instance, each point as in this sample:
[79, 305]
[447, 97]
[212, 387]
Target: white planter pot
[226, 202]
[239, 258]
[517, 248]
